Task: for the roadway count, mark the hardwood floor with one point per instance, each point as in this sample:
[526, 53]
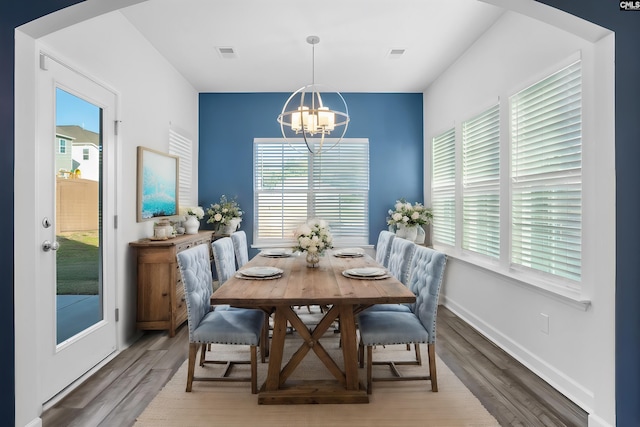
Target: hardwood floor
[120, 391]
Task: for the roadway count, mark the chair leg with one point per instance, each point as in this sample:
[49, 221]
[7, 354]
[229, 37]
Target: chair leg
[264, 340]
[203, 352]
[369, 368]
[361, 354]
[432, 366]
[193, 351]
[418, 357]
[254, 370]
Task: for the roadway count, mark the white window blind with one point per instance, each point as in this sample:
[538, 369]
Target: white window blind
[181, 146]
[546, 175]
[291, 186]
[443, 188]
[481, 183]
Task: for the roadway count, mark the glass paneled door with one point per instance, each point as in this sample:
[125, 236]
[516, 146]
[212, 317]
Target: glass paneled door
[76, 197]
[78, 150]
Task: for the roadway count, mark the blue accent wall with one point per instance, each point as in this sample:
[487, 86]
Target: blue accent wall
[230, 121]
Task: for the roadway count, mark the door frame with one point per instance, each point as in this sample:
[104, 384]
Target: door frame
[98, 343]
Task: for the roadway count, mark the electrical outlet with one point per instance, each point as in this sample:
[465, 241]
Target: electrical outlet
[544, 323]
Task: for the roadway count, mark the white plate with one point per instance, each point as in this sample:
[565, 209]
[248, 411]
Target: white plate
[260, 271]
[276, 252]
[366, 272]
[349, 252]
[350, 276]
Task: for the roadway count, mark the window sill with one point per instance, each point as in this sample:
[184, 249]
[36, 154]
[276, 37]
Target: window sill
[559, 292]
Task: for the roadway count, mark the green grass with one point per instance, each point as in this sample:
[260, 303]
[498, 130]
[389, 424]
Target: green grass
[78, 263]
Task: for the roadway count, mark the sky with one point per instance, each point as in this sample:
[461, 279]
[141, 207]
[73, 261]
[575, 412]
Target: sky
[71, 110]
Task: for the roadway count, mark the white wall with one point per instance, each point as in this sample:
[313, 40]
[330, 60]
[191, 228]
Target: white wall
[577, 355]
[152, 96]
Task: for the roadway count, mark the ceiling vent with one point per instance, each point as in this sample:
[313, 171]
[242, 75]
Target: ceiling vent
[396, 53]
[227, 52]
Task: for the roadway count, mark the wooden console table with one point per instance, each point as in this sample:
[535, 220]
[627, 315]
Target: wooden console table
[161, 304]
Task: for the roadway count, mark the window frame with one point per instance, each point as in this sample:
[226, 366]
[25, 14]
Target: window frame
[311, 189]
[476, 184]
[569, 290]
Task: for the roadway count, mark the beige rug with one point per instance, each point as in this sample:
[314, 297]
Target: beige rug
[391, 404]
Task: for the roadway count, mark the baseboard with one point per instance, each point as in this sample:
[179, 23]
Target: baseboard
[595, 421]
[558, 380]
[37, 422]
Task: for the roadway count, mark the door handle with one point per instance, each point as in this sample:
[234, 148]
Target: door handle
[47, 246]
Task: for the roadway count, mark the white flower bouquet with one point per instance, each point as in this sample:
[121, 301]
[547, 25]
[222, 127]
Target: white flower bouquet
[196, 211]
[313, 237]
[225, 212]
[404, 213]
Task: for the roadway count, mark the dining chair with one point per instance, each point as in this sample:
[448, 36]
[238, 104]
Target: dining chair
[383, 247]
[209, 325]
[401, 252]
[240, 247]
[400, 256]
[224, 257]
[416, 326]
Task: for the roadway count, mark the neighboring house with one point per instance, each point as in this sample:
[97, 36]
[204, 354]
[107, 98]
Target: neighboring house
[78, 150]
[64, 160]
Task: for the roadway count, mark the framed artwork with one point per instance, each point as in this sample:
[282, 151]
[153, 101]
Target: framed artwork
[157, 193]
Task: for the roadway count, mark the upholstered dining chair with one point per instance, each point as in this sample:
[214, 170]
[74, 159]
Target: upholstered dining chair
[240, 247]
[224, 258]
[401, 254]
[418, 325]
[383, 246]
[208, 325]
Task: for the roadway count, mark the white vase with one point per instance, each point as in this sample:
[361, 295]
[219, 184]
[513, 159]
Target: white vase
[312, 259]
[407, 232]
[191, 225]
[421, 235]
[231, 227]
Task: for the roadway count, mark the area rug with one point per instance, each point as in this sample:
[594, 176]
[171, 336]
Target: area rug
[391, 403]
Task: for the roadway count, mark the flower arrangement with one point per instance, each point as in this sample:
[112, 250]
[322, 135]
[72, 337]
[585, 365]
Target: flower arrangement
[224, 212]
[196, 211]
[313, 237]
[404, 213]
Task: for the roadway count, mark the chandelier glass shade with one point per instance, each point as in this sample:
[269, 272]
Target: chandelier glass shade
[307, 115]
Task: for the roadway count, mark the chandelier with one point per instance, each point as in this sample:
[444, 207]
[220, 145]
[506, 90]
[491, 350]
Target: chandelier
[307, 114]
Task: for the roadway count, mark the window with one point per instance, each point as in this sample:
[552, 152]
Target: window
[291, 186]
[62, 146]
[85, 154]
[546, 156]
[181, 146]
[481, 183]
[543, 190]
[444, 188]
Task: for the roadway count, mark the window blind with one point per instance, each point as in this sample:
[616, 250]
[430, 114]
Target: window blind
[181, 146]
[481, 183]
[291, 186]
[443, 188]
[546, 123]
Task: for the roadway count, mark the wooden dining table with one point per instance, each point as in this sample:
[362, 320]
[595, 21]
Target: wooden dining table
[326, 286]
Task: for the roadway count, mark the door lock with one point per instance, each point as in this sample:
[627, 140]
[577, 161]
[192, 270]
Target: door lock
[48, 246]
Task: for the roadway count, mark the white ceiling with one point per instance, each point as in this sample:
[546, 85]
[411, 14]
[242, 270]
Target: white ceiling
[272, 55]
